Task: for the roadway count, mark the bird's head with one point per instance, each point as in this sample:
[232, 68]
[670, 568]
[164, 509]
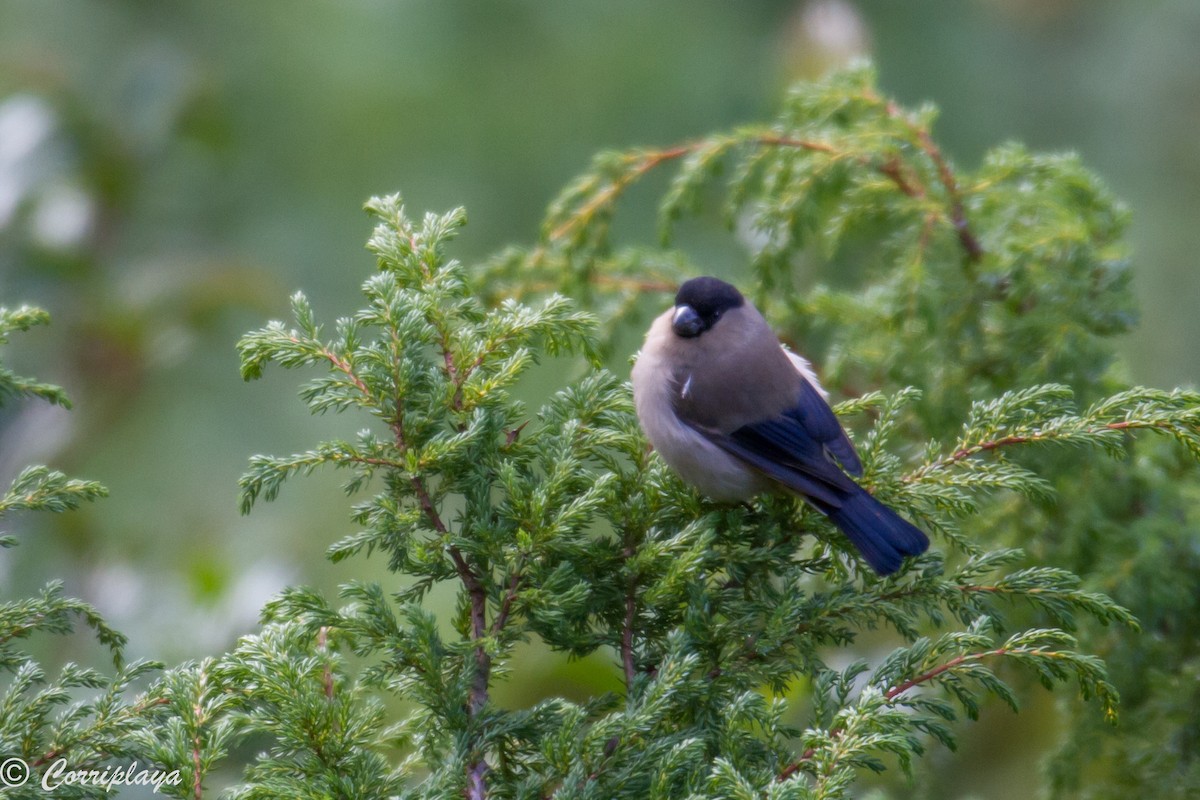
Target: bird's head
[700, 303]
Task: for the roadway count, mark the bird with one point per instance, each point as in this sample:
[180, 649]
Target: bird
[735, 414]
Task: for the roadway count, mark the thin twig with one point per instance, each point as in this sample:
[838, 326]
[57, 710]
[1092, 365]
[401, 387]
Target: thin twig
[371, 461]
[802, 144]
[344, 367]
[133, 711]
[894, 169]
[478, 694]
[894, 692]
[924, 677]
[1006, 441]
[327, 677]
[958, 215]
[197, 788]
[510, 596]
[198, 715]
[647, 162]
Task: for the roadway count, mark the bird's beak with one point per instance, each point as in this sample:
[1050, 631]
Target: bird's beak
[687, 322]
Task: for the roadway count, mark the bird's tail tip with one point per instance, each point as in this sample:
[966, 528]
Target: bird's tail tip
[882, 536]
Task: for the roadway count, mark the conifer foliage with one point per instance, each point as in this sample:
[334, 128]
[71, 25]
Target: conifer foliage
[975, 327]
[41, 718]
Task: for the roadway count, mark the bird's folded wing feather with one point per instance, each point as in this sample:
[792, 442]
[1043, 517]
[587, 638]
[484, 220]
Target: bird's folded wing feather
[783, 450]
[814, 416]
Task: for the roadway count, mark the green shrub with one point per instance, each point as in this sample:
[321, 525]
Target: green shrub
[969, 317]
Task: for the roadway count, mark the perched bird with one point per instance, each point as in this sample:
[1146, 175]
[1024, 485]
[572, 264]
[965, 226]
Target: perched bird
[736, 414]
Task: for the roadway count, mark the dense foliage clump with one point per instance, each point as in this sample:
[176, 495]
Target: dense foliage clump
[968, 317]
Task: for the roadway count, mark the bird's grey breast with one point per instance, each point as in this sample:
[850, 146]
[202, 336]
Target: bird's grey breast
[733, 375]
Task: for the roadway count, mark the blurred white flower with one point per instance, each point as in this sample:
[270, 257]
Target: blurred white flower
[26, 122]
[63, 217]
[835, 28]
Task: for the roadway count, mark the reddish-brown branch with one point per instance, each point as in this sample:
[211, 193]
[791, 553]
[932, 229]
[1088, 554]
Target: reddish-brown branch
[510, 596]
[198, 716]
[802, 144]
[456, 376]
[924, 677]
[995, 444]
[427, 505]
[327, 676]
[794, 767]
[966, 452]
[958, 216]
[894, 169]
[926, 233]
[478, 694]
[831, 613]
[58, 752]
[483, 662]
[369, 460]
[891, 694]
[197, 788]
[461, 376]
[647, 162]
[344, 367]
[18, 630]
[477, 786]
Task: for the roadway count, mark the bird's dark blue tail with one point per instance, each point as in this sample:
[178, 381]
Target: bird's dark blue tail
[882, 536]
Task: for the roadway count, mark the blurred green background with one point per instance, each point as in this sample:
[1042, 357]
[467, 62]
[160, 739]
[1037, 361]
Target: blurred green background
[171, 172]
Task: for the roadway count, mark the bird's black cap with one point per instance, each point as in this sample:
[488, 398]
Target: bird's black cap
[708, 297]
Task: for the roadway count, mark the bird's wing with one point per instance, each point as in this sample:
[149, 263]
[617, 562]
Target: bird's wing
[783, 450]
[814, 416]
